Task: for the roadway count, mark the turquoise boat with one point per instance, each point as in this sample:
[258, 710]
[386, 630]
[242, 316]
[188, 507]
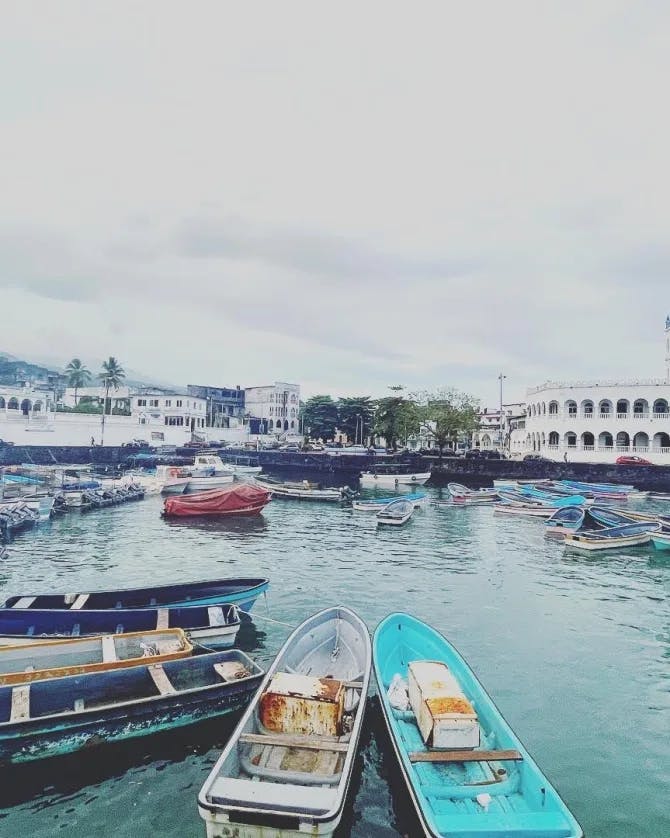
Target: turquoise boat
[455, 794]
[661, 540]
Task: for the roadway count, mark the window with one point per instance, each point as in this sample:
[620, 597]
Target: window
[153, 402]
[168, 402]
[141, 402]
[178, 402]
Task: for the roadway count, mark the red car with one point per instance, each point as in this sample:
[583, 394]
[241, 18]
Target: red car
[632, 460]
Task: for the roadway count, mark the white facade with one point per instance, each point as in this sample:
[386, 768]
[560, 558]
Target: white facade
[118, 397]
[21, 402]
[172, 410]
[599, 421]
[278, 404]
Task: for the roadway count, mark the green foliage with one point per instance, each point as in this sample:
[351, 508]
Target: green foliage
[319, 417]
[77, 376]
[112, 375]
[396, 417]
[354, 415]
[448, 414]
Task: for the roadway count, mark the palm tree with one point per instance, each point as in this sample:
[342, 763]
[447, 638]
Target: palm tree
[77, 376]
[112, 375]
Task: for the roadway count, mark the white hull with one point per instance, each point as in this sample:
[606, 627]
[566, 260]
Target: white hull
[393, 522]
[595, 544]
[202, 484]
[219, 636]
[369, 480]
[175, 487]
[532, 512]
[72, 498]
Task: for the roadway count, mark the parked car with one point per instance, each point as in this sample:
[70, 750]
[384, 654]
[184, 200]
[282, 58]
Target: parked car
[632, 460]
[290, 446]
[473, 454]
[536, 458]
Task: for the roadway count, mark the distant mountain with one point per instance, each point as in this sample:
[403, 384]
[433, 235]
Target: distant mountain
[38, 370]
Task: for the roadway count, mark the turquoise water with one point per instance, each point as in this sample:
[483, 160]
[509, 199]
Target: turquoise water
[574, 650]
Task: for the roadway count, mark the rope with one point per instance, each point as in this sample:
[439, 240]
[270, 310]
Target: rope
[257, 616]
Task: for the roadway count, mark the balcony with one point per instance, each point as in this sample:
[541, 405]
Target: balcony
[644, 415]
[620, 415]
[663, 415]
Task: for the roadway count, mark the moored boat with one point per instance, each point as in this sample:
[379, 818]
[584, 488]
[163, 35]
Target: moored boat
[661, 540]
[239, 591]
[461, 494]
[239, 499]
[286, 769]
[466, 771]
[566, 519]
[612, 538]
[304, 491]
[214, 625]
[77, 656]
[377, 504]
[372, 479]
[396, 513]
[63, 715]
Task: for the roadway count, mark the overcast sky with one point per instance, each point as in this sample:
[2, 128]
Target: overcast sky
[346, 195]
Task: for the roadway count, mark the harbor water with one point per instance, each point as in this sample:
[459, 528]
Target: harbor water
[575, 651]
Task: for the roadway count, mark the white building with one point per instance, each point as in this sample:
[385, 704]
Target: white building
[598, 421]
[170, 409]
[277, 404]
[488, 434]
[119, 397]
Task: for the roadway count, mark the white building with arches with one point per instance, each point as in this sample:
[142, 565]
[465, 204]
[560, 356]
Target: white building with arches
[278, 405]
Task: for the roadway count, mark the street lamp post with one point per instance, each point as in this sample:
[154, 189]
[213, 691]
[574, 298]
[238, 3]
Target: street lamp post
[501, 378]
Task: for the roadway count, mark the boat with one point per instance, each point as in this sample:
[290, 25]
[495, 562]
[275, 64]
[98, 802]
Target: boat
[601, 491]
[474, 777]
[56, 658]
[661, 540]
[240, 591]
[566, 519]
[376, 504]
[208, 472]
[301, 491]
[612, 538]
[548, 503]
[462, 494]
[604, 516]
[172, 479]
[396, 513]
[63, 715]
[372, 479]
[287, 767]
[240, 499]
[215, 625]
[14, 516]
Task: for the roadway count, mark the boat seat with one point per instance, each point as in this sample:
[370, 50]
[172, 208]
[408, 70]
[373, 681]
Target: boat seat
[20, 711]
[108, 649]
[160, 679]
[216, 616]
[79, 602]
[286, 797]
[530, 824]
[162, 618]
[24, 602]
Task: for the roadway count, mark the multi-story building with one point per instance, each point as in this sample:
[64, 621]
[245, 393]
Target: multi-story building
[223, 404]
[599, 421]
[154, 406]
[276, 406]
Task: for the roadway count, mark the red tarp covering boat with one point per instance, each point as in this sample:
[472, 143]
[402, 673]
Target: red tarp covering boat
[242, 499]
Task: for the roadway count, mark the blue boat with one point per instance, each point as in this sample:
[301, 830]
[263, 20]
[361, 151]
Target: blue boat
[63, 715]
[570, 518]
[214, 625]
[555, 503]
[604, 517]
[241, 591]
[376, 504]
[457, 793]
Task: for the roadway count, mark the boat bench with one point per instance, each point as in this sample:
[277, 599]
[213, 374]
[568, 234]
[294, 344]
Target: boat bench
[532, 824]
[285, 797]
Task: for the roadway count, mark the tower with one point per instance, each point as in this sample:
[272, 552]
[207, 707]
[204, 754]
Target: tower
[667, 349]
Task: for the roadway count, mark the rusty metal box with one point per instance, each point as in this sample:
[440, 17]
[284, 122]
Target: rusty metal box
[302, 704]
[444, 715]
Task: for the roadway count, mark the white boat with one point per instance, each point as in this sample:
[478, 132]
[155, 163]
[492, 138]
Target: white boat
[530, 510]
[297, 491]
[371, 479]
[612, 538]
[286, 769]
[396, 513]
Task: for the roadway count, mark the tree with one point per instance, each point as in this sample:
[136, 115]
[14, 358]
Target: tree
[319, 417]
[396, 417]
[354, 417]
[77, 376]
[448, 414]
[112, 375]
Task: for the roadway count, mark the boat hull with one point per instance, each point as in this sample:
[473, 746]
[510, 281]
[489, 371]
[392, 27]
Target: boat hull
[584, 542]
[661, 541]
[369, 480]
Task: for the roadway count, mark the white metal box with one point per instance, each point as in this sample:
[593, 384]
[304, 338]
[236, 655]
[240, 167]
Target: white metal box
[444, 715]
[302, 704]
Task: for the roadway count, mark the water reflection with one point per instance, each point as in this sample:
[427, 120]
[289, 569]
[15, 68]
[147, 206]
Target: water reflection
[244, 527]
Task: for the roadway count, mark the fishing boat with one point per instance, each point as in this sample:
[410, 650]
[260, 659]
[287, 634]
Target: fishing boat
[286, 769]
[612, 538]
[466, 771]
[529, 510]
[239, 591]
[396, 513]
[567, 519]
[661, 540]
[208, 472]
[63, 715]
[301, 491]
[213, 625]
[549, 503]
[601, 491]
[240, 499]
[172, 479]
[604, 517]
[377, 504]
[56, 658]
[373, 479]
[462, 494]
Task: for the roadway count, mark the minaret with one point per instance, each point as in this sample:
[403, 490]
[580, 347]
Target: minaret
[667, 349]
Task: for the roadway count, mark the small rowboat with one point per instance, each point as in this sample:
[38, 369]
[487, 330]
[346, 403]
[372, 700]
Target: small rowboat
[296, 491]
[240, 499]
[567, 519]
[287, 767]
[493, 789]
[371, 479]
[661, 540]
[396, 513]
[532, 510]
[240, 591]
[64, 715]
[612, 538]
[377, 504]
[57, 658]
[215, 625]
[461, 494]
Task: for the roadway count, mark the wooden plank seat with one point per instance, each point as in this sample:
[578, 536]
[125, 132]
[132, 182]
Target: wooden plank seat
[24, 602]
[288, 741]
[285, 797]
[160, 679]
[20, 711]
[464, 756]
[108, 649]
[163, 618]
[79, 602]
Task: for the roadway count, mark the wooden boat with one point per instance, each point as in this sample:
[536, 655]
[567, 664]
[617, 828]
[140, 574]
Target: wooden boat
[604, 517]
[376, 504]
[567, 519]
[396, 513]
[493, 788]
[297, 491]
[372, 479]
[612, 538]
[214, 625]
[56, 658]
[239, 499]
[240, 591]
[63, 715]
[287, 767]
[461, 494]
[661, 540]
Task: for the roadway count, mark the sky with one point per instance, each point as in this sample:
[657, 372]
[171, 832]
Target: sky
[346, 196]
